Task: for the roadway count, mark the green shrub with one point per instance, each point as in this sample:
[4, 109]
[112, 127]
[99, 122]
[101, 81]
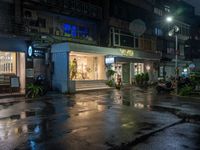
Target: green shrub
[185, 91]
[110, 83]
[142, 79]
[146, 77]
[138, 78]
[195, 78]
[110, 73]
[33, 90]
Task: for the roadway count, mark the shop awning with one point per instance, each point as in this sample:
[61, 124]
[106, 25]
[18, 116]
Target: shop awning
[116, 52]
[12, 44]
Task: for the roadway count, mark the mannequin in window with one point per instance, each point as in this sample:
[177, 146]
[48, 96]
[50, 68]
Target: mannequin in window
[74, 69]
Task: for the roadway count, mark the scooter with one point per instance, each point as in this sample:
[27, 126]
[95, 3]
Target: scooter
[164, 87]
[41, 81]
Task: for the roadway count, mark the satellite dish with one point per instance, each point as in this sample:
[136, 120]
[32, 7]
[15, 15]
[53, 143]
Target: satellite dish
[137, 27]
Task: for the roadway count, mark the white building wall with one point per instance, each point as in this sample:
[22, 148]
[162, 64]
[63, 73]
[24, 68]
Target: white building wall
[60, 59]
[59, 78]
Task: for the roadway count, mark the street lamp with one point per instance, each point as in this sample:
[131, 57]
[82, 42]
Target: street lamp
[174, 31]
[169, 18]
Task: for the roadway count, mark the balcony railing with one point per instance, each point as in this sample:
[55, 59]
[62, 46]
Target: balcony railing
[75, 7]
[9, 26]
[119, 38]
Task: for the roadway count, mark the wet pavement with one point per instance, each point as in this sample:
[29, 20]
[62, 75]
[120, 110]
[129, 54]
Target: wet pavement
[183, 136]
[131, 118]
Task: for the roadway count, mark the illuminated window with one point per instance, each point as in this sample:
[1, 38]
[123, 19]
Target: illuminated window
[67, 28]
[138, 68]
[75, 31]
[86, 66]
[7, 62]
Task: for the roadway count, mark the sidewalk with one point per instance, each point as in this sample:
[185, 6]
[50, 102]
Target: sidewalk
[9, 95]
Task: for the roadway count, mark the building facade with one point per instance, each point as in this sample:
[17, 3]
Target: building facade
[130, 30]
[79, 40]
[13, 48]
[183, 18]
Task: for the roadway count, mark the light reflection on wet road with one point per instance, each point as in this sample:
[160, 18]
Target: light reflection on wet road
[90, 120]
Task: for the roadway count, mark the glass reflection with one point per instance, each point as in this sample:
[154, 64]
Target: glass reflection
[6, 129]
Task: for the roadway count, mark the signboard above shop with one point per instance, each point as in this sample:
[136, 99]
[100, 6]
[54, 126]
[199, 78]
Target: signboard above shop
[127, 52]
[109, 60]
[35, 52]
[39, 53]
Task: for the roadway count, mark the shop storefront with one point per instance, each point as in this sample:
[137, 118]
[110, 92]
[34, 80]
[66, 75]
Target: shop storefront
[86, 64]
[167, 70]
[12, 65]
[12, 72]
[127, 68]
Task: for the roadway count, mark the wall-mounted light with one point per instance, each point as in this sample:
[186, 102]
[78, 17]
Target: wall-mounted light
[148, 67]
[30, 51]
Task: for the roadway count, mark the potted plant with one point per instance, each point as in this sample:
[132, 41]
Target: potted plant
[33, 90]
[111, 81]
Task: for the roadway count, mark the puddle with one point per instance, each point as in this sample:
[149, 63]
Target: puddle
[146, 126]
[8, 104]
[22, 115]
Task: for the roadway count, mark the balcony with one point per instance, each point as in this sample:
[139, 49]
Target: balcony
[67, 7]
[35, 27]
[120, 38]
[170, 56]
[9, 26]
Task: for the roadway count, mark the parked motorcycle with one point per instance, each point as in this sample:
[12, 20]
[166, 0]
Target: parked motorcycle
[42, 82]
[164, 87]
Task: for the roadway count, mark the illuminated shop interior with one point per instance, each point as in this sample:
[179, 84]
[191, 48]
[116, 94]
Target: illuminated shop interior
[138, 68]
[12, 64]
[85, 66]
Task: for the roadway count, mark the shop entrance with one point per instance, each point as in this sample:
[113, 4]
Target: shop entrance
[138, 68]
[87, 70]
[118, 72]
[126, 73]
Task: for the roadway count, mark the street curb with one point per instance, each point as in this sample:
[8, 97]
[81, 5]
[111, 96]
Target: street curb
[179, 113]
[18, 99]
[11, 96]
[186, 96]
[93, 90]
[136, 140]
[183, 117]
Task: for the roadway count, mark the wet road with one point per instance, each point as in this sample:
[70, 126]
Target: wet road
[126, 119]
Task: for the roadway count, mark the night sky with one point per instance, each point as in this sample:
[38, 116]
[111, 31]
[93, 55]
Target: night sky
[196, 4]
